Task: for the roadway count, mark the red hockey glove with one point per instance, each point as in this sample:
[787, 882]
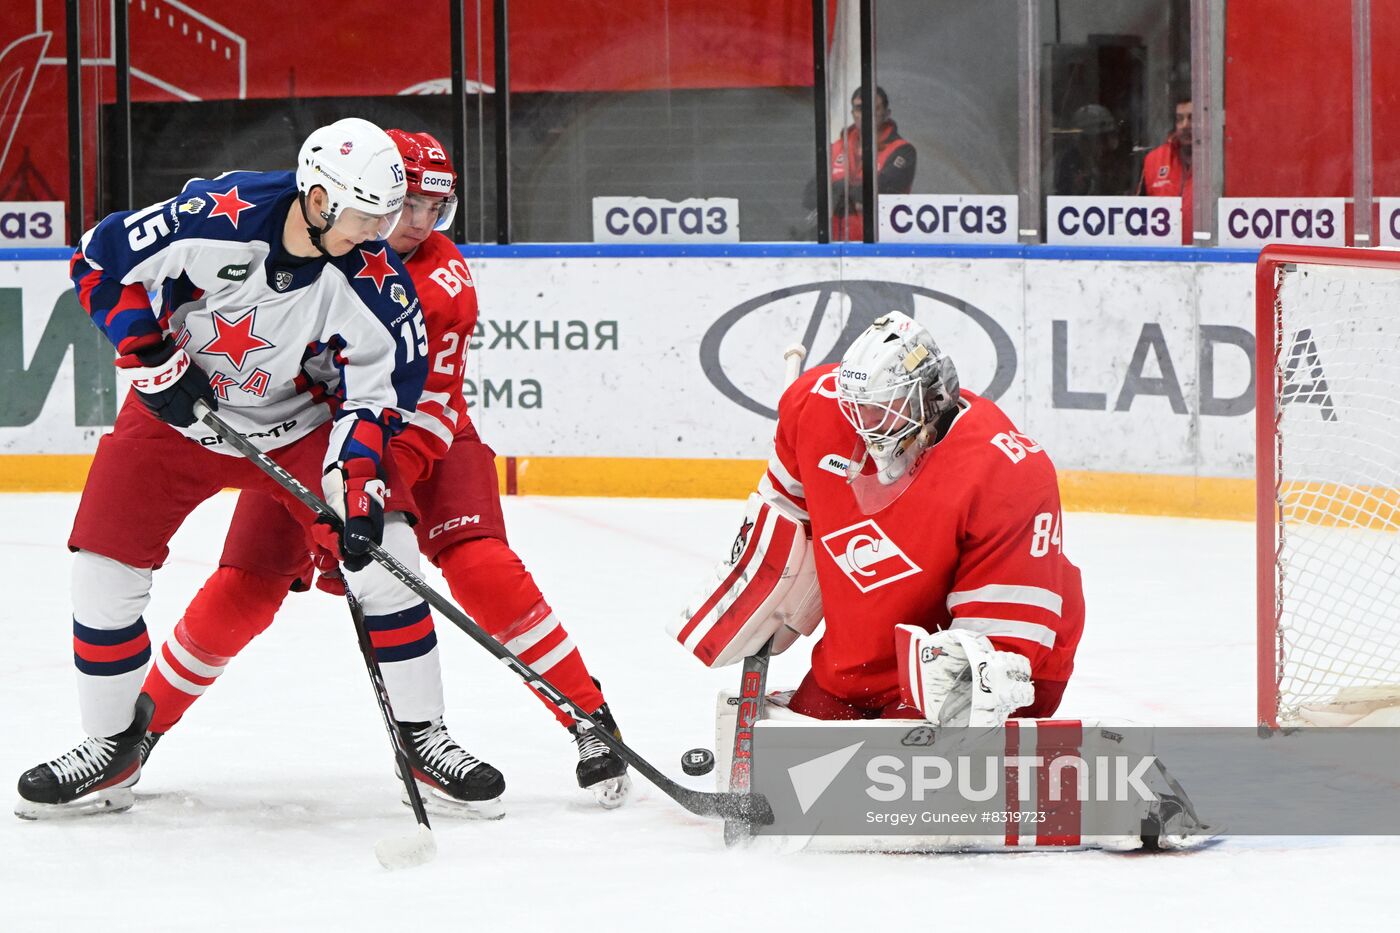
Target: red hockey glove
[325, 559]
[355, 490]
[168, 382]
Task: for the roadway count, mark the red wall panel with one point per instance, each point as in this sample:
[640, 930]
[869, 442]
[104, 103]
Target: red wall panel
[1288, 98]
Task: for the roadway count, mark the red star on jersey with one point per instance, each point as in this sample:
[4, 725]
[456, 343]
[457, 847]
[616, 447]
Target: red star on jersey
[229, 205]
[235, 339]
[376, 267]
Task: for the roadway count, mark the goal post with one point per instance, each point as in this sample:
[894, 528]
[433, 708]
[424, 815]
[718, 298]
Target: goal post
[1327, 485]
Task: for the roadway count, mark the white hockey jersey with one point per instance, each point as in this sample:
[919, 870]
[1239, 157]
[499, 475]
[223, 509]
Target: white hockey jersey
[208, 268]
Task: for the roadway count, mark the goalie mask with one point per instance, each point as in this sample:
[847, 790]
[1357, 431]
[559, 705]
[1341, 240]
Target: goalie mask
[899, 392]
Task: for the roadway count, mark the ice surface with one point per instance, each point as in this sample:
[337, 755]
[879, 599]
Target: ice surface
[260, 811]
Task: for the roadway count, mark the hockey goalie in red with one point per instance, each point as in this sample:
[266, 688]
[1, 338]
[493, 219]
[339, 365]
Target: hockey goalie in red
[922, 526]
[451, 476]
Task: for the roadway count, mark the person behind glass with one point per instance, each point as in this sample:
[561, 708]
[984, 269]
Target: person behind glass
[1093, 164]
[1166, 172]
[895, 160]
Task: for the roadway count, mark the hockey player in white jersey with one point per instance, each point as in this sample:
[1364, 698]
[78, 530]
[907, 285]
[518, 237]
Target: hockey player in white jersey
[219, 295]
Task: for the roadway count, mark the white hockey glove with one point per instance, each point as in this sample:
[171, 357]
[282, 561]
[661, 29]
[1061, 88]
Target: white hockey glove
[956, 678]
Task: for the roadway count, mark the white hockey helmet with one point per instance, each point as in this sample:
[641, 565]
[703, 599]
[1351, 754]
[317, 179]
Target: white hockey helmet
[359, 168]
[893, 386]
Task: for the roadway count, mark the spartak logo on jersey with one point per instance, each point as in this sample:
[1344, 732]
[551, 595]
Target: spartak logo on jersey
[867, 556]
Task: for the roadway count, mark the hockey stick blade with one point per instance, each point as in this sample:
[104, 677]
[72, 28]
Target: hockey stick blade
[396, 852]
[749, 808]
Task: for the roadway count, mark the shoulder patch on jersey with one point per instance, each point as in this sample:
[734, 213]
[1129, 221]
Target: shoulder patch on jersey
[190, 205]
[376, 267]
[399, 294]
[235, 272]
[835, 464]
[228, 204]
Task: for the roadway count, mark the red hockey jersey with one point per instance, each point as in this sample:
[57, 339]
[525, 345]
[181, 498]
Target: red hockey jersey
[448, 297]
[974, 542]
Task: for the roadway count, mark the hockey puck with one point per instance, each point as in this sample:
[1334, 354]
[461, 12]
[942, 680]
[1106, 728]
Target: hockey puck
[698, 761]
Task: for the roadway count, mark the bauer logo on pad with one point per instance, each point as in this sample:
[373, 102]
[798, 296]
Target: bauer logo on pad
[867, 556]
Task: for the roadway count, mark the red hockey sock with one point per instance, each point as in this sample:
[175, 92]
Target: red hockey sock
[232, 608]
[492, 584]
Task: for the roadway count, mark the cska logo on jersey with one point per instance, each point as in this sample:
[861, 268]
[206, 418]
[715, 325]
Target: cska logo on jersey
[229, 205]
[376, 267]
[867, 556]
[234, 339]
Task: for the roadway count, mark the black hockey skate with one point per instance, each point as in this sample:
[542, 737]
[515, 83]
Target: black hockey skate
[601, 769]
[459, 783]
[148, 742]
[95, 777]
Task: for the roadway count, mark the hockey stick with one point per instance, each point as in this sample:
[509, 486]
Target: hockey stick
[394, 851]
[750, 808]
[754, 679]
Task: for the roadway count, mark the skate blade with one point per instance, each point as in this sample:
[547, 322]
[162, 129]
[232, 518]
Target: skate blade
[439, 804]
[612, 793]
[112, 800]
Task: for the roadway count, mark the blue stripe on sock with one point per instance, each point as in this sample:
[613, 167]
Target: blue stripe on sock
[401, 619]
[104, 636]
[414, 649]
[112, 668]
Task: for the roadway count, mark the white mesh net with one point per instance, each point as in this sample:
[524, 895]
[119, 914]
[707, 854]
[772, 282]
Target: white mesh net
[1338, 473]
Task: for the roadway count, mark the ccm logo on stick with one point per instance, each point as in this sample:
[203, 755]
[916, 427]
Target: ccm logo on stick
[451, 523]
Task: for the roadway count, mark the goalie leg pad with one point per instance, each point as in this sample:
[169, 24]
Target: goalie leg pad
[767, 584]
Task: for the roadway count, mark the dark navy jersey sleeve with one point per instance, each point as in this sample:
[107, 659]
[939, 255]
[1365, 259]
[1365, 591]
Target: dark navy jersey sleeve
[384, 361]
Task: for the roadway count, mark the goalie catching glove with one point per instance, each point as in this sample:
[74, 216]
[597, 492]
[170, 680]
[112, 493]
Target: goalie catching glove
[957, 678]
[766, 589]
[355, 490]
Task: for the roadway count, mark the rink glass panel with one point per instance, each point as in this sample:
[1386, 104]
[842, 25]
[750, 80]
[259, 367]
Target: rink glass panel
[240, 88]
[670, 101]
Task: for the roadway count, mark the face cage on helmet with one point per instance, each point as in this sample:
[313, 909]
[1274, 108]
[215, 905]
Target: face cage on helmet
[886, 415]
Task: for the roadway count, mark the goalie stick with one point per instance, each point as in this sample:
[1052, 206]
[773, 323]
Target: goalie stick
[754, 679]
[747, 808]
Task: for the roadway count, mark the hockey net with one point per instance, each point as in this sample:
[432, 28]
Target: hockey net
[1328, 481]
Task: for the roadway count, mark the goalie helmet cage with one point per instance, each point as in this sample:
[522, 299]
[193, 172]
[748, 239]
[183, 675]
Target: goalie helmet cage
[1327, 481]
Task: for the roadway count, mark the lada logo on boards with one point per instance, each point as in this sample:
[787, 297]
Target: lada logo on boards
[867, 556]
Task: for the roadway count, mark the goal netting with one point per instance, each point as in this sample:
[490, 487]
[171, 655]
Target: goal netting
[1329, 484]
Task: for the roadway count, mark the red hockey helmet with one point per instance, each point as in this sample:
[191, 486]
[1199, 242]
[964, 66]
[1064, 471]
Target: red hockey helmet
[430, 173]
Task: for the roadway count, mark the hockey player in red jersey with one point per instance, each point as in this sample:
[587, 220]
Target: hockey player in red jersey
[218, 295]
[452, 477]
[922, 526]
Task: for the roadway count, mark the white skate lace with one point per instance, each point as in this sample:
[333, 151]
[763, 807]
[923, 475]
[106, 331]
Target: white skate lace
[84, 761]
[435, 745]
[590, 746]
